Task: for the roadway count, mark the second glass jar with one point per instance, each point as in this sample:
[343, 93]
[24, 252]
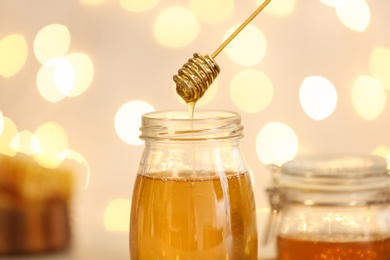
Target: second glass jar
[333, 207]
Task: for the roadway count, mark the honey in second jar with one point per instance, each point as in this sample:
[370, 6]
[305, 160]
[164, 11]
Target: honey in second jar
[298, 249]
[211, 218]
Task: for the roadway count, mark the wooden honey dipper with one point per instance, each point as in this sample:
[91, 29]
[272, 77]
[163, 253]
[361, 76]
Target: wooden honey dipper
[196, 76]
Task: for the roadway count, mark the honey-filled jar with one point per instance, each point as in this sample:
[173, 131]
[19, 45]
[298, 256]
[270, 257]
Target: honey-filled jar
[333, 207]
[193, 196]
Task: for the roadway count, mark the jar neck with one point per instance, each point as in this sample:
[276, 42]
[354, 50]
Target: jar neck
[199, 159]
[203, 147]
[331, 180]
[177, 126]
[290, 196]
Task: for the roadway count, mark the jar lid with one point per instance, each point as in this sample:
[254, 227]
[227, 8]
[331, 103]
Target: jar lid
[335, 173]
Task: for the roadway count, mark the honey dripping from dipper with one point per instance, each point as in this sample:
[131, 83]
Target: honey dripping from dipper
[196, 76]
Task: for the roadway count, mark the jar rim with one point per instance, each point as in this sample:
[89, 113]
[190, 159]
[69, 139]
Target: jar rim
[335, 172]
[177, 125]
[336, 165]
[183, 115]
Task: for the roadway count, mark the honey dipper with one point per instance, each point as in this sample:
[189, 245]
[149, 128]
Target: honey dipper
[196, 76]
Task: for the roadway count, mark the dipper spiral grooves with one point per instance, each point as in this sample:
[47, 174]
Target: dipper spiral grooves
[195, 77]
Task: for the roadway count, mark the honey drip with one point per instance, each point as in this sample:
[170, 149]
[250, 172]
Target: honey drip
[191, 109]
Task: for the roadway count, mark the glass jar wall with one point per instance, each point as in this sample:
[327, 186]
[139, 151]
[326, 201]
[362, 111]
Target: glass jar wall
[193, 196]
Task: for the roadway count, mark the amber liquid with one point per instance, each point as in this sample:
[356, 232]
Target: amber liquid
[191, 109]
[193, 219]
[297, 249]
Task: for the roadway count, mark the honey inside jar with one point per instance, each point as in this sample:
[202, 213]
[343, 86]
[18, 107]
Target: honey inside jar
[194, 218]
[290, 248]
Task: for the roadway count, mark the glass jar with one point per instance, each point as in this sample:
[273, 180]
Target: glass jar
[333, 207]
[193, 196]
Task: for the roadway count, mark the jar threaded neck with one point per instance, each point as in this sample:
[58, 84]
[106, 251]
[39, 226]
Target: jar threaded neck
[176, 125]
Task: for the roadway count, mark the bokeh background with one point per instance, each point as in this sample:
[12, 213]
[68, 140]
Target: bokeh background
[307, 76]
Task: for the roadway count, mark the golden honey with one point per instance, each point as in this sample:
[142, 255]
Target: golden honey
[193, 218]
[299, 249]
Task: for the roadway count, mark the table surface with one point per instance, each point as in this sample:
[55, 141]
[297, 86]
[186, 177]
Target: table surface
[92, 244]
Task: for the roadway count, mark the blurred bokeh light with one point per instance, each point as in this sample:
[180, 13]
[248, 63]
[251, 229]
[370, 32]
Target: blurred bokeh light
[383, 151]
[380, 64]
[53, 140]
[52, 41]
[279, 8]
[138, 5]
[55, 79]
[13, 54]
[251, 90]
[276, 144]
[25, 142]
[75, 156]
[8, 133]
[354, 14]
[128, 121]
[368, 97]
[318, 97]
[333, 3]
[176, 27]
[92, 2]
[83, 70]
[117, 215]
[216, 11]
[1, 122]
[248, 47]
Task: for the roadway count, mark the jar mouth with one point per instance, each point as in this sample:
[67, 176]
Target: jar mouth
[177, 125]
[338, 173]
